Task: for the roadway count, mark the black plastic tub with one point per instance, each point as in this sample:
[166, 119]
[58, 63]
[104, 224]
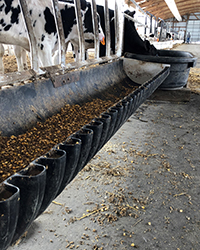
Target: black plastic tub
[180, 62]
[26, 194]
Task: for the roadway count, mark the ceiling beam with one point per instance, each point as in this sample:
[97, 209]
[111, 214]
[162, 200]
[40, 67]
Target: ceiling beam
[174, 9]
[198, 18]
[169, 15]
[151, 3]
[161, 3]
[164, 11]
[159, 8]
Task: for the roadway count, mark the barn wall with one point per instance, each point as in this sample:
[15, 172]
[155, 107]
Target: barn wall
[190, 23]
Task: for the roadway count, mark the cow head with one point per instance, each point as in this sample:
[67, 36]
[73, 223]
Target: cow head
[88, 24]
[130, 13]
[133, 43]
[150, 49]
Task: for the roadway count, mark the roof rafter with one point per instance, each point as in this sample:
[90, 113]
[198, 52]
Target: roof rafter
[160, 9]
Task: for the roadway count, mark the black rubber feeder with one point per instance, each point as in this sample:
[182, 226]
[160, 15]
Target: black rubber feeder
[120, 110]
[113, 113]
[54, 161]
[180, 63]
[97, 128]
[72, 148]
[9, 210]
[106, 120]
[31, 183]
[86, 137]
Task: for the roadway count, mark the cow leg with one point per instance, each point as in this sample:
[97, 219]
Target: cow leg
[20, 55]
[56, 58]
[75, 52]
[56, 55]
[86, 54]
[45, 58]
[24, 59]
[1, 58]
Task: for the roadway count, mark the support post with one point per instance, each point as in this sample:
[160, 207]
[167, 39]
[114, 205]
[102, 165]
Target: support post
[95, 28]
[31, 36]
[80, 29]
[60, 31]
[107, 28]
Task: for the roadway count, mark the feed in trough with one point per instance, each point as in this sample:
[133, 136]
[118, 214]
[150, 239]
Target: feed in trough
[18, 151]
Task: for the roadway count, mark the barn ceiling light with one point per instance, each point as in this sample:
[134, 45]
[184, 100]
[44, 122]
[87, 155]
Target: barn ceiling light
[172, 6]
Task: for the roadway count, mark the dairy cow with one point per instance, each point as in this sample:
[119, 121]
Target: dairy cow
[89, 41]
[132, 42]
[13, 31]
[20, 55]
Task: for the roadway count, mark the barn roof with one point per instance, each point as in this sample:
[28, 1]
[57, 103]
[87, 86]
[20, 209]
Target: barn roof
[160, 9]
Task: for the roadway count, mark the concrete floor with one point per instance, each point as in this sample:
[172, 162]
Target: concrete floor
[140, 191]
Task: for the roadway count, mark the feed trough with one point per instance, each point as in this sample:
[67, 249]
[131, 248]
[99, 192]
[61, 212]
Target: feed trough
[27, 193]
[180, 62]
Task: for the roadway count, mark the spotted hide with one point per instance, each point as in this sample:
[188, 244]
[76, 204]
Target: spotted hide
[13, 31]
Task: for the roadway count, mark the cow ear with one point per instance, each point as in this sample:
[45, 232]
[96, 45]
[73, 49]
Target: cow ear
[132, 13]
[83, 4]
[126, 12]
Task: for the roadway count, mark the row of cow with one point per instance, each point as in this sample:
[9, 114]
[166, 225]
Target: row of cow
[13, 31]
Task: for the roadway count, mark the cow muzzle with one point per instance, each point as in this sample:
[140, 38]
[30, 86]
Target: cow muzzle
[103, 42]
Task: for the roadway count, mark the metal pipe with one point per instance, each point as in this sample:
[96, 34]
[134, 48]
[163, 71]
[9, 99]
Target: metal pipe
[95, 28]
[31, 36]
[145, 27]
[134, 20]
[116, 26]
[119, 27]
[161, 28]
[151, 24]
[155, 28]
[60, 32]
[138, 6]
[80, 29]
[107, 28]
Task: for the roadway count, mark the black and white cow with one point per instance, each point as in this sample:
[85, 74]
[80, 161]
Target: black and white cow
[89, 41]
[13, 31]
[20, 55]
[132, 42]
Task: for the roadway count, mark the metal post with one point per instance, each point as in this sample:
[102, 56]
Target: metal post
[31, 36]
[80, 29]
[107, 28]
[60, 31]
[145, 27]
[186, 30]
[134, 20]
[137, 6]
[151, 23]
[161, 28]
[95, 28]
[119, 28]
[155, 28]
